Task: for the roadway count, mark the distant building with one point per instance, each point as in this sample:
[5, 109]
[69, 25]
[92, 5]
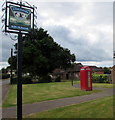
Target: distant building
[74, 72]
[70, 73]
[97, 70]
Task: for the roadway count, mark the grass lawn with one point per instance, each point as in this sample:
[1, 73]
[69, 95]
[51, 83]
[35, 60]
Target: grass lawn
[99, 108]
[42, 92]
[103, 85]
[99, 85]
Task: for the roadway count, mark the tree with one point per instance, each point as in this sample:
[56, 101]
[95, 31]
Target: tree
[41, 54]
[4, 71]
[14, 61]
[106, 70]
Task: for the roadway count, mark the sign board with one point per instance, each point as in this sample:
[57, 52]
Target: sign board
[19, 18]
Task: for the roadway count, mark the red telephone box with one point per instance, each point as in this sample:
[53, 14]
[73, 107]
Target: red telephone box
[86, 78]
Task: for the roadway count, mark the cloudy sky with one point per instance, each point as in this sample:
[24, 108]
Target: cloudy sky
[86, 28]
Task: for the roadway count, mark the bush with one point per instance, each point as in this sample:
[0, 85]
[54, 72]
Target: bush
[58, 79]
[25, 80]
[5, 76]
[99, 78]
[14, 80]
[45, 79]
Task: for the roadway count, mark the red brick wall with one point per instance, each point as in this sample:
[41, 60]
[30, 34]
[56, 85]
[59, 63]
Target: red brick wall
[99, 72]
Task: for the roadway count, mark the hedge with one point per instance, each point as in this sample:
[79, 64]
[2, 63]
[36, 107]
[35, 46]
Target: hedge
[96, 78]
[45, 79]
[25, 80]
[5, 76]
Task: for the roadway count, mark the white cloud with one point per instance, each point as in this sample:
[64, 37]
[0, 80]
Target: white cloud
[69, 1]
[84, 28]
[85, 36]
[102, 64]
[3, 65]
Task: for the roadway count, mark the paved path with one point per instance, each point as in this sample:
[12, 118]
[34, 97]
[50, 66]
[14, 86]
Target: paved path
[5, 88]
[47, 105]
[5, 82]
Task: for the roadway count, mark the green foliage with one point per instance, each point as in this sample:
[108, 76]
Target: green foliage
[14, 62]
[45, 79]
[4, 71]
[5, 76]
[14, 80]
[58, 79]
[41, 54]
[46, 54]
[25, 80]
[106, 70]
[96, 78]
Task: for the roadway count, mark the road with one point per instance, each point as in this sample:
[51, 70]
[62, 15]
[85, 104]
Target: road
[5, 82]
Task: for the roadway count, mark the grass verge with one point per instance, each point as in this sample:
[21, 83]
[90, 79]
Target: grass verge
[99, 108]
[41, 92]
[103, 85]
